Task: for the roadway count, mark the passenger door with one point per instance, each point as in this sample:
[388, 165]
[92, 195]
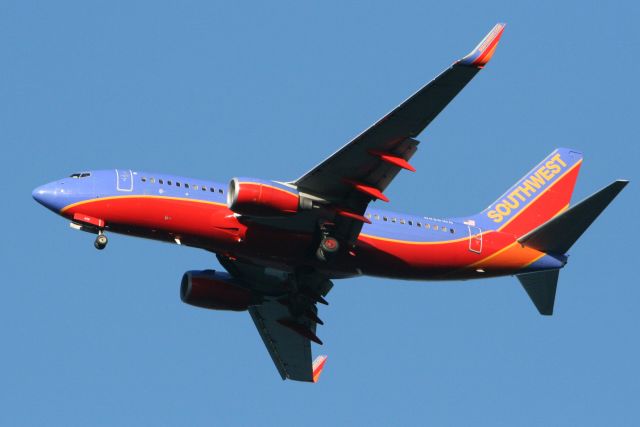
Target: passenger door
[475, 239]
[124, 180]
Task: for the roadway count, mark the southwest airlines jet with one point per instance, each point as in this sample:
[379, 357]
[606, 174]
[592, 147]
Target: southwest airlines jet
[283, 242]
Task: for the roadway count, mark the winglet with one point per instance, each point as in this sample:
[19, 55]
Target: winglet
[480, 56]
[318, 366]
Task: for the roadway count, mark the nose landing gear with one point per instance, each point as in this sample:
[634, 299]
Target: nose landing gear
[101, 241]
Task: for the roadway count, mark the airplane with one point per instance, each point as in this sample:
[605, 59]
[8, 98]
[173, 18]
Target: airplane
[282, 243]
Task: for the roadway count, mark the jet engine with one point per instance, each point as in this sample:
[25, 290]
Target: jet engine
[215, 291]
[248, 196]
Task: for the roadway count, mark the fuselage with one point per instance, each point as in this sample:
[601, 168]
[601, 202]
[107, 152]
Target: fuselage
[194, 212]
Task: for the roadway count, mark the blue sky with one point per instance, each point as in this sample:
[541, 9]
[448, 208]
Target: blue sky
[221, 89]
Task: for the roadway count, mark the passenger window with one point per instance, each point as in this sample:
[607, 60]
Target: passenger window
[369, 215]
[451, 230]
[427, 226]
[220, 191]
[195, 187]
[410, 222]
[402, 221]
[186, 185]
[74, 175]
[160, 181]
[152, 180]
[384, 218]
[444, 229]
[168, 182]
[377, 216]
[435, 227]
[393, 220]
[204, 188]
[213, 190]
[177, 184]
[418, 224]
[85, 174]
[143, 179]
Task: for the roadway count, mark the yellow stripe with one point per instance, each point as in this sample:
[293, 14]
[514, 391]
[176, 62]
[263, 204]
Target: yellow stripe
[411, 242]
[532, 201]
[140, 196]
[493, 255]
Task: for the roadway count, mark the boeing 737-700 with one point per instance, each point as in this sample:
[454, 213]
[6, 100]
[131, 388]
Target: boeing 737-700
[282, 243]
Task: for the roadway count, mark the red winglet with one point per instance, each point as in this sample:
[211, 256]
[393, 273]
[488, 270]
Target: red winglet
[318, 366]
[480, 56]
[371, 191]
[394, 160]
[353, 215]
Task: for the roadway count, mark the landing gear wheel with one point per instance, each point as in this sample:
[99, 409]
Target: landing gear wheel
[329, 244]
[101, 242]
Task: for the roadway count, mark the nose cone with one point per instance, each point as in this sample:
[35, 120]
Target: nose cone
[45, 195]
[54, 195]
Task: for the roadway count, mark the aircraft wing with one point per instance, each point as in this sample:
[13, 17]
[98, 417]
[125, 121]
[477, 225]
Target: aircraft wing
[290, 351]
[361, 170]
[287, 324]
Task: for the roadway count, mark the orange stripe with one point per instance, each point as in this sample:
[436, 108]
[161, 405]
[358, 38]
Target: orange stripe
[409, 242]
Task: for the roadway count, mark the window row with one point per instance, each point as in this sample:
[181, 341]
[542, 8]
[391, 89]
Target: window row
[419, 224]
[179, 184]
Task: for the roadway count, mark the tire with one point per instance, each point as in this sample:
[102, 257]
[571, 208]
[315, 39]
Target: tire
[329, 244]
[101, 242]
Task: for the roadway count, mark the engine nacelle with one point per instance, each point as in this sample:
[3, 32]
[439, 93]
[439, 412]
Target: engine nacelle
[215, 291]
[249, 196]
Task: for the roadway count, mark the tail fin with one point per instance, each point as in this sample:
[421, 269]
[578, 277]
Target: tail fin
[559, 234]
[537, 197]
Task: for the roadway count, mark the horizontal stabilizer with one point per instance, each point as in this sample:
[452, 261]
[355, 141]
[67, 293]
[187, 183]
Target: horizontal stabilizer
[560, 233]
[541, 288]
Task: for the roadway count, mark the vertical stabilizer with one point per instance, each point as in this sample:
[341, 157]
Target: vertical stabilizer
[544, 192]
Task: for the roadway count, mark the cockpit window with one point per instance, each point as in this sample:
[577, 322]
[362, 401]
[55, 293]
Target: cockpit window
[80, 175]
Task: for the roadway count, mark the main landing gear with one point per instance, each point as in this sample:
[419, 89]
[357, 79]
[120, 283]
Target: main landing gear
[328, 244]
[101, 241]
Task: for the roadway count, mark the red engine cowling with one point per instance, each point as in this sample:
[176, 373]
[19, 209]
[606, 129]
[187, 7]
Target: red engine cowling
[215, 291]
[248, 196]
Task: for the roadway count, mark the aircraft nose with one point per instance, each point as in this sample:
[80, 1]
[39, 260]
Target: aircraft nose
[44, 194]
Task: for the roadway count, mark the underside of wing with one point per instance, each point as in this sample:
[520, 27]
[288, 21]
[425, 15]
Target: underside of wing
[290, 351]
[343, 185]
[360, 171]
[374, 157]
[287, 316]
